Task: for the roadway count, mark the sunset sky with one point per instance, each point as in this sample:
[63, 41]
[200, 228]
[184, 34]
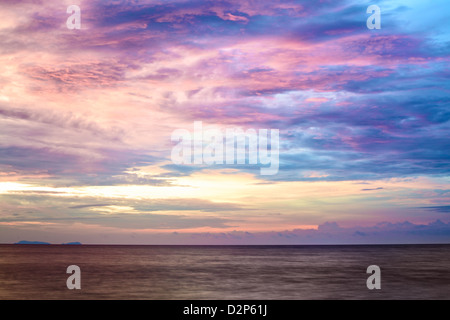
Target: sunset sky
[86, 118]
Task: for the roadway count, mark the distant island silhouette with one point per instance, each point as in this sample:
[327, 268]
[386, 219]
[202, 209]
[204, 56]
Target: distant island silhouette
[47, 243]
[31, 242]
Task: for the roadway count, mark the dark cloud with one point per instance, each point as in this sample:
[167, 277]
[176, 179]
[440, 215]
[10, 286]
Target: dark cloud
[443, 209]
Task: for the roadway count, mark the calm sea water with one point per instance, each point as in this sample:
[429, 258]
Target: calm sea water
[243, 272]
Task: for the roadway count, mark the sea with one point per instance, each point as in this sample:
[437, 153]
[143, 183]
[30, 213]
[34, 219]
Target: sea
[39, 272]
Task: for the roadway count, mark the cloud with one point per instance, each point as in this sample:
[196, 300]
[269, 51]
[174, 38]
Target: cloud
[88, 206]
[135, 222]
[96, 106]
[65, 208]
[61, 120]
[443, 209]
[382, 233]
[372, 189]
[167, 205]
[328, 226]
[331, 233]
[67, 78]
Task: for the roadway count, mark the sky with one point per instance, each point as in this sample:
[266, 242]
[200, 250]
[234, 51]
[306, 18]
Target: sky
[87, 115]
